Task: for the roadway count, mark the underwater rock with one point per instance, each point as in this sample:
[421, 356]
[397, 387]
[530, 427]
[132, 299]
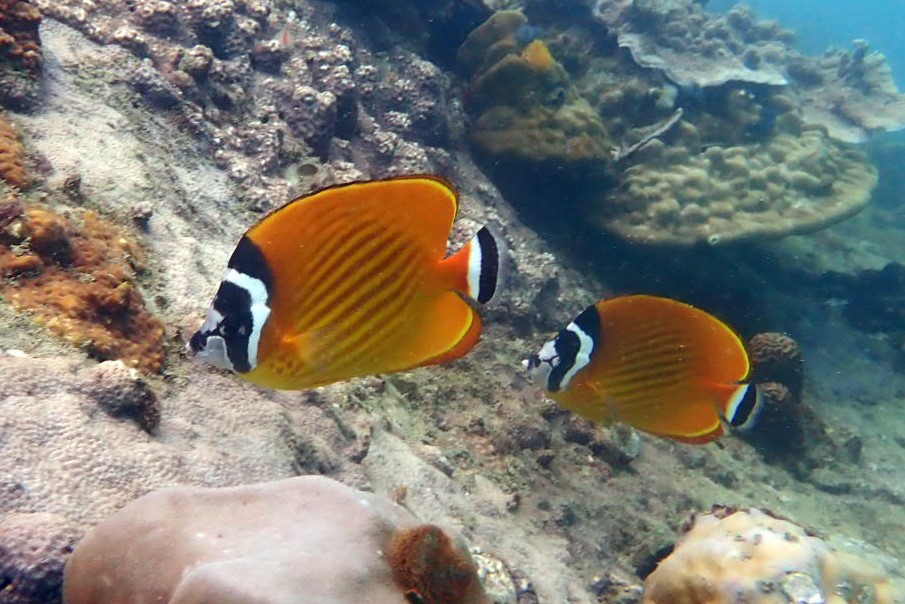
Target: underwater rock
[335, 544]
[745, 555]
[12, 165]
[527, 117]
[33, 550]
[20, 53]
[78, 279]
[797, 181]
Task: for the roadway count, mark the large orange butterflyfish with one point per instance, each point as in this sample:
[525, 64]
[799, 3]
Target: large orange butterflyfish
[351, 280]
[659, 365]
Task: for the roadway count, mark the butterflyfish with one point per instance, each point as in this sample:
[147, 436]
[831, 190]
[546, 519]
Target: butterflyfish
[349, 281]
[659, 365]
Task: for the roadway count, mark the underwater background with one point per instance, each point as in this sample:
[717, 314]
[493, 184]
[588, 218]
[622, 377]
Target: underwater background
[706, 152]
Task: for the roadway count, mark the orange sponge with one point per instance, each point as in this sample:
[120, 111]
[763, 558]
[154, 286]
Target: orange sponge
[77, 278]
[431, 569]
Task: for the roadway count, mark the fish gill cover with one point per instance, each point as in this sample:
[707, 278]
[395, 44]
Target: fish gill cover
[626, 145]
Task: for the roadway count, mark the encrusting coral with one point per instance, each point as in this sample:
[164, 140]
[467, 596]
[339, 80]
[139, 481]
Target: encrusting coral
[12, 166]
[745, 555]
[76, 276]
[20, 52]
[335, 544]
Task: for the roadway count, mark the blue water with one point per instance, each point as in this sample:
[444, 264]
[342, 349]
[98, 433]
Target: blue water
[819, 24]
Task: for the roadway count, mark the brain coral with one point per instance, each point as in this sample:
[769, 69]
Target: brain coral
[308, 539]
[77, 278]
[795, 182]
[12, 167]
[730, 556]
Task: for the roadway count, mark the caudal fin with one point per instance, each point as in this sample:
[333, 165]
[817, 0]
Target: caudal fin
[478, 267]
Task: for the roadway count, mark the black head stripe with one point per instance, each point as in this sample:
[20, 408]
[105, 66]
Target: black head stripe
[589, 322]
[490, 265]
[234, 303]
[567, 346]
[747, 407]
[249, 260]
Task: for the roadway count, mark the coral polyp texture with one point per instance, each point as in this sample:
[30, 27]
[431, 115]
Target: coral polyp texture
[526, 113]
[745, 555]
[76, 276]
[33, 549]
[218, 545]
[12, 165]
[796, 182]
[20, 52]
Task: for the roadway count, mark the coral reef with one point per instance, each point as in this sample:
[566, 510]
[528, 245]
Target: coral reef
[746, 555]
[33, 549]
[697, 48]
[77, 278]
[12, 166]
[796, 182]
[526, 114]
[206, 543]
[851, 94]
[20, 53]
[283, 102]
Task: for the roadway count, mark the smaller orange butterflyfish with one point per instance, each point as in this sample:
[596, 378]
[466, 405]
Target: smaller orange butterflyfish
[659, 365]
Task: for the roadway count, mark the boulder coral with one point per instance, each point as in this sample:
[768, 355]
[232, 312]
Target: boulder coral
[305, 539]
[746, 555]
[526, 113]
[20, 52]
[77, 277]
[796, 181]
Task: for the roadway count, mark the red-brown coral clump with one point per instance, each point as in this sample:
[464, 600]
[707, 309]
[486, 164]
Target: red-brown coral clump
[77, 278]
[20, 45]
[431, 569]
[12, 167]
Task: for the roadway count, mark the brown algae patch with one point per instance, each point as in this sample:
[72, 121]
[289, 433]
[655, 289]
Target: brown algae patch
[76, 277]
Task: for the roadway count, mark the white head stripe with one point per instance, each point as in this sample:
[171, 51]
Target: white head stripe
[474, 269]
[257, 291]
[582, 357]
